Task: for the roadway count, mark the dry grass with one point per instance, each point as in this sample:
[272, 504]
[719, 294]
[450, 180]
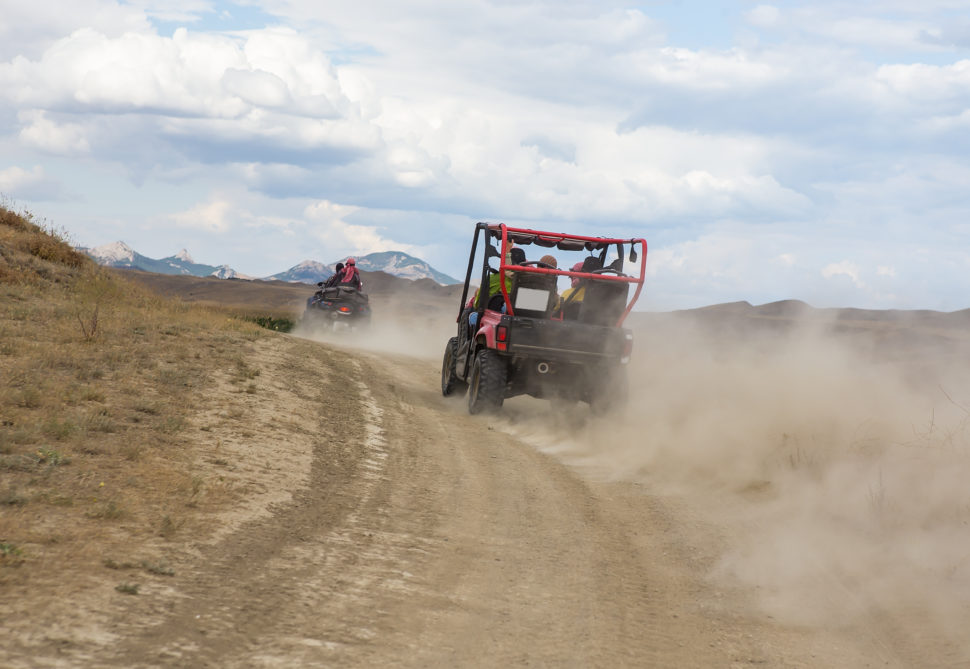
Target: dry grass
[99, 380]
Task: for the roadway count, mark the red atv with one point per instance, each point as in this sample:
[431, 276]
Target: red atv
[519, 337]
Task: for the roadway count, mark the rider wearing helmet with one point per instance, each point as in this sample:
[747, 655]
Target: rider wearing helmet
[338, 272]
[351, 277]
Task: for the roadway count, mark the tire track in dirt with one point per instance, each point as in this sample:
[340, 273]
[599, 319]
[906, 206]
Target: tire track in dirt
[535, 566]
[429, 538]
[232, 598]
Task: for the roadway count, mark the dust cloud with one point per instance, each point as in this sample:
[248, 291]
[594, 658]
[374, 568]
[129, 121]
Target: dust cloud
[400, 325]
[833, 460]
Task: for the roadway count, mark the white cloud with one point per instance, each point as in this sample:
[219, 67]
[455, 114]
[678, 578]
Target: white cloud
[328, 225]
[214, 216]
[32, 184]
[29, 28]
[188, 74]
[924, 83]
[843, 268]
[704, 69]
[13, 179]
[763, 16]
[821, 135]
[256, 87]
[879, 32]
[62, 139]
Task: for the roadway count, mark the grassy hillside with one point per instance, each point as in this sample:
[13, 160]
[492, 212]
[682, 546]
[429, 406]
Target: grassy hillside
[100, 382]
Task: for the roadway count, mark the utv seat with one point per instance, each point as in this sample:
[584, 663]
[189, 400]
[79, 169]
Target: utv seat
[533, 295]
[604, 302]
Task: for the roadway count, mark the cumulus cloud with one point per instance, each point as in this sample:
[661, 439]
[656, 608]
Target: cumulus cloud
[328, 224]
[30, 28]
[185, 75]
[928, 83]
[764, 16]
[733, 154]
[41, 132]
[843, 268]
[30, 184]
[215, 215]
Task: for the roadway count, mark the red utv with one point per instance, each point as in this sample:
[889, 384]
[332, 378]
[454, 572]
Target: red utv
[523, 339]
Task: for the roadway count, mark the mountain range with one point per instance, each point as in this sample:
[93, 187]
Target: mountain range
[395, 263]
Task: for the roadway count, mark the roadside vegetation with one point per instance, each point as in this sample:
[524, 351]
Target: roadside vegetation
[99, 379]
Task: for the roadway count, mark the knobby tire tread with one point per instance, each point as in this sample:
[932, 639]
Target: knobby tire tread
[492, 375]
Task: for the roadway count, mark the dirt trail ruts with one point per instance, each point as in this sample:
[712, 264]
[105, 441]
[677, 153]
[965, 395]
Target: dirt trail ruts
[426, 537]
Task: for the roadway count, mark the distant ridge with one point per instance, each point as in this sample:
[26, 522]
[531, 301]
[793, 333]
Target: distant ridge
[395, 263]
[119, 254]
[308, 271]
[793, 310]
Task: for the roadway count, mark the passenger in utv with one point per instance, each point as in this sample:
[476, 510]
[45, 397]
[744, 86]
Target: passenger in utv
[516, 256]
[576, 290]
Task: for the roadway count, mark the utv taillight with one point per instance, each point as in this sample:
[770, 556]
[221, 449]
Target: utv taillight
[627, 348]
[501, 338]
[345, 310]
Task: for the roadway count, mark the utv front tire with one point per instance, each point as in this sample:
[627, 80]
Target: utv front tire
[450, 383]
[486, 390]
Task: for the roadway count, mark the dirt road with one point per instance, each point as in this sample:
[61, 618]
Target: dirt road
[392, 529]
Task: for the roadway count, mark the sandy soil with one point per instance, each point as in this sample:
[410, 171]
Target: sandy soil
[795, 503]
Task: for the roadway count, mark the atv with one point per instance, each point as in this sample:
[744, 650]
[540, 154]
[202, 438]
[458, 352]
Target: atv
[336, 308]
[518, 337]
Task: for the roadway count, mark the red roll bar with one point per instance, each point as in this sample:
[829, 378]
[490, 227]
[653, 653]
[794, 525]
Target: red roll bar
[550, 239]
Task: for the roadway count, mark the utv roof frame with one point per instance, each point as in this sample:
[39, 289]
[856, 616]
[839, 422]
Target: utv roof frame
[562, 241]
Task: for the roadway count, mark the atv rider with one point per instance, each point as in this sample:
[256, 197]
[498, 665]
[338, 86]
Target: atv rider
[323, 285]
[338, 271]
[351, 277]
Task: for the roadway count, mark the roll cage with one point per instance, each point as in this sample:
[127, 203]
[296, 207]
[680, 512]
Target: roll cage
[505, 237]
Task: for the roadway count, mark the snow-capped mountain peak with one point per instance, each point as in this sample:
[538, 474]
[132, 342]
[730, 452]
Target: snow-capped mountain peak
[227, 272]
[184, 256]
[115, 252]
[313, 265]
[396, 263]
[403, 265]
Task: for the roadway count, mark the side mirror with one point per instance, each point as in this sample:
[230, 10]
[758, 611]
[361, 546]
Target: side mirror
[633, 254]
[320, 283]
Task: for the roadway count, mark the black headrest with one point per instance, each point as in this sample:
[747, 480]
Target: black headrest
[591, 264]
[517, 255]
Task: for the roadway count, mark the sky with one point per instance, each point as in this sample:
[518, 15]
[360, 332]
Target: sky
[811, 150]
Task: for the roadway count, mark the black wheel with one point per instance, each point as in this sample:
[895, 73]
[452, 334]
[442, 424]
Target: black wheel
[450, 383]
[611, 391]
[486, 392]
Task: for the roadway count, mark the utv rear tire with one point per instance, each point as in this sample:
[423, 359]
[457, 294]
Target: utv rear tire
[450, 383]
[486, 390]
